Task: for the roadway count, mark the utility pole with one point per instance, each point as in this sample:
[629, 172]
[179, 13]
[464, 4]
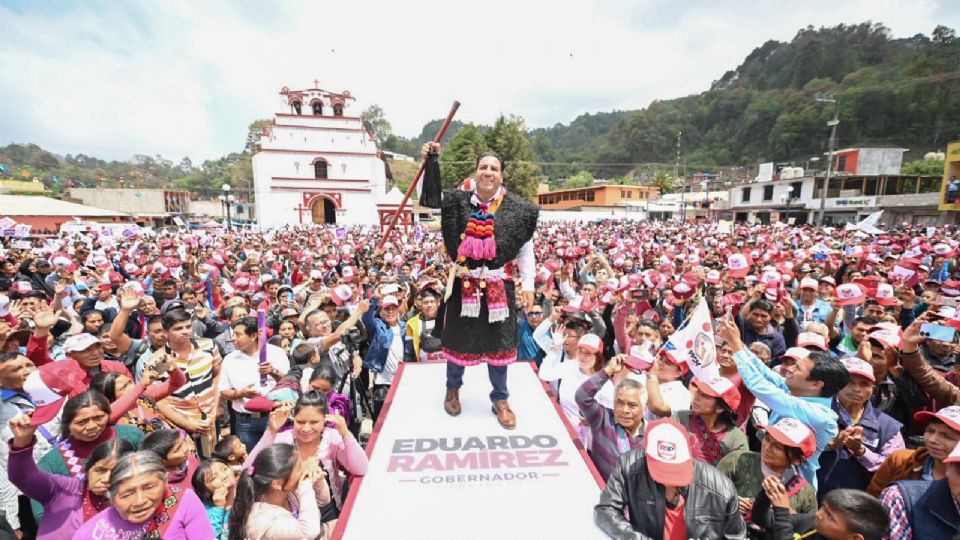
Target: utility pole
[676, 177]
[833, 141]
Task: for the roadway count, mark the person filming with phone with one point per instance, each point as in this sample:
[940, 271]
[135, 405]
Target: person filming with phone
[248, 374]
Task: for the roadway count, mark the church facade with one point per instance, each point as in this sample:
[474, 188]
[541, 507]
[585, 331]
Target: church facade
[317, 164]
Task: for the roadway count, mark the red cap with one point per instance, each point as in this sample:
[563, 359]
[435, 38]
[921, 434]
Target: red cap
[50, 386]
[738, 265]
[791, 432]
[639, 359]
[720, 388]
[668, 453]
[948, 415]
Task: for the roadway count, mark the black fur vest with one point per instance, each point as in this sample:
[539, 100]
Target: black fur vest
[515, 223]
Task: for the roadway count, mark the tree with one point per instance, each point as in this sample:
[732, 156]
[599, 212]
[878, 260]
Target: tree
[459, 157]
[664, 181]
[375, 122]
[254, 131]
[508, 138]
[923, 167]
[581, 179]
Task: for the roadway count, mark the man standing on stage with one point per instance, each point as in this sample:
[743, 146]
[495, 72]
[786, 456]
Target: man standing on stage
[485, 229]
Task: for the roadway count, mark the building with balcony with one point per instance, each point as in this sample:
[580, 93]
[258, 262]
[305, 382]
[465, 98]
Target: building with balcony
[596, 197]
[905, 198]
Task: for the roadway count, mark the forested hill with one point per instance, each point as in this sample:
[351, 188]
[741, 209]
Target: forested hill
[891, 92]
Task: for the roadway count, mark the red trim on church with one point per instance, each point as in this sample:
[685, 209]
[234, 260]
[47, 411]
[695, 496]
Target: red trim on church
[294, 126]
[319, 179]
[309, 197]
[325, 117]
[301, 188]
[315, 152]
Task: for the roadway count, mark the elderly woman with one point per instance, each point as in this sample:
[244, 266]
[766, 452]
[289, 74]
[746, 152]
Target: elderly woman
[67, 502]
[142, 505]
[84, 421]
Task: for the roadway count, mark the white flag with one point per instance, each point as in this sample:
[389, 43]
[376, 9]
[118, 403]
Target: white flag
[695, 345]
[869, 224]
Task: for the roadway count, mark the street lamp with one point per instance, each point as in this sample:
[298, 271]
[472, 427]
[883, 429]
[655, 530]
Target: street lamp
[227, 200]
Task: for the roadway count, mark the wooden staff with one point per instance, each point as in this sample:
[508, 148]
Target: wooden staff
[413, 185]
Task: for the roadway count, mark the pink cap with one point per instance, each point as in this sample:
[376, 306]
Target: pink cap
[812, 339]
[885, 294]
[79, 342]
[797, 353]
[809, 283]
[850, 294]
[389, 300]
[592, 342]
[342, 294]
[858, 366]
[737, 265]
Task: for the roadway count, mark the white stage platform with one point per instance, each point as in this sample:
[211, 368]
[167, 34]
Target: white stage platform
[432, 476]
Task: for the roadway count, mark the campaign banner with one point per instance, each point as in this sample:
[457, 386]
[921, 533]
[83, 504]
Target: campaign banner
[465, 477]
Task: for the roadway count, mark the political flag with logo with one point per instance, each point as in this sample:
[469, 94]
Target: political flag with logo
[694, 344]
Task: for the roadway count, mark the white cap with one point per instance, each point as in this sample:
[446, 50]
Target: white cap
[79, 342]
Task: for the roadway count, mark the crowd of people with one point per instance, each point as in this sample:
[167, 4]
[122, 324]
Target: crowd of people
[215, 384]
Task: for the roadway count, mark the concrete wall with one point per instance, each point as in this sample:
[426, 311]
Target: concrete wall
[879, 161]
[128, 201]
[756, 199]
[214, 210]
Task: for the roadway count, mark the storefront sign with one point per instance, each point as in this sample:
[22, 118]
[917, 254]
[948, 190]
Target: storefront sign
[851, 202]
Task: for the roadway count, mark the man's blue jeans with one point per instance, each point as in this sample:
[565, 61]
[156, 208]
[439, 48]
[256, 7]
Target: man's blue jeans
[249, 430]
[498, 379]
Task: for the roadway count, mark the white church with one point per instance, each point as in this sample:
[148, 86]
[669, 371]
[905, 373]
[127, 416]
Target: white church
[317, 164]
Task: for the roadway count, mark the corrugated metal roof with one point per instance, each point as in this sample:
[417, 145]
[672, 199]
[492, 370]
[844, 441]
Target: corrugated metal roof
[26, 205]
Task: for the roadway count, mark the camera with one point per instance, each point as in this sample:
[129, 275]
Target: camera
[352, 340]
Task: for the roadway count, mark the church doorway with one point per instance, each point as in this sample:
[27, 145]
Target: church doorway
[323, 211]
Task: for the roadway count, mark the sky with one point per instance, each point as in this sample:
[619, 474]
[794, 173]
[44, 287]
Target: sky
[115, 78]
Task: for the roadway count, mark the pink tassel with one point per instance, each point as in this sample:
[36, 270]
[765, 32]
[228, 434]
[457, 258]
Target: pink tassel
[477, 249]
[465, 247]
[489, 248]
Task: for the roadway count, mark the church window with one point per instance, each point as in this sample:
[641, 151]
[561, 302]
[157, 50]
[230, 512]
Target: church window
[317, 108]
[338, 110]
[297, 107]
[320, 169]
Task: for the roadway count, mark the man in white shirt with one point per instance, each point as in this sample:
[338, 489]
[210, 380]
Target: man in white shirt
[244, 376]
